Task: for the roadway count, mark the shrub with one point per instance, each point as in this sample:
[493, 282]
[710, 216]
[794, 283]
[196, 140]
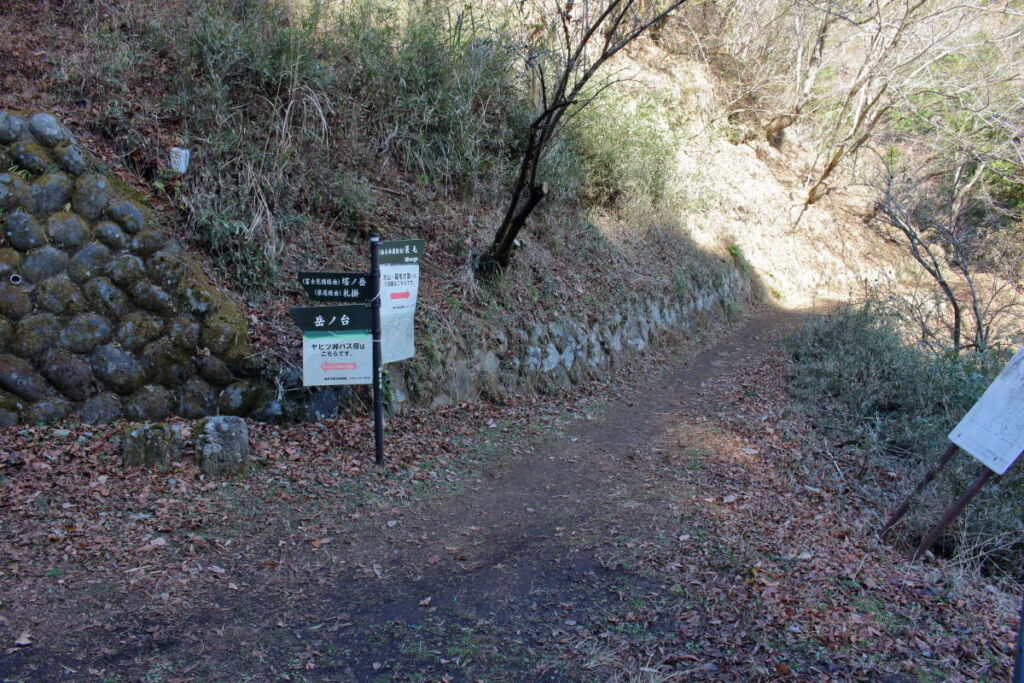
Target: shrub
[864, 386]
[626, 147]
[278, 98]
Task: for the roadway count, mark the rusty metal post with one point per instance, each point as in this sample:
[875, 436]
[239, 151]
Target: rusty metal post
[897, 515]
[951, 513]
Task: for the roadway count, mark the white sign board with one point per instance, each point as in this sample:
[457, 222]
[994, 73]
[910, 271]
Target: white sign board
[993, 429]
[337, 358]
[399, 287]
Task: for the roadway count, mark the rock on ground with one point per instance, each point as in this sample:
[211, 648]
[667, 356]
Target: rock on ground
[222, 447]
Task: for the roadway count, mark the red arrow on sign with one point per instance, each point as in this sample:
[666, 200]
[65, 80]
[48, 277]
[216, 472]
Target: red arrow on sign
[337, 366]
[400, 295]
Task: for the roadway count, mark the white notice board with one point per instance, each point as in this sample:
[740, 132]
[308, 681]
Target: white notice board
[332, 358]
[399, 289]
[993, 429]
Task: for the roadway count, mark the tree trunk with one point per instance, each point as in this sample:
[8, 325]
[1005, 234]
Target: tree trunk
[499, 255]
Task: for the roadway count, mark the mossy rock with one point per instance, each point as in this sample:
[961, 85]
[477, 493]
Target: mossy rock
[184, 332]
[20, 378]
[11, 127]
[60, 295]
[214, 370]
[126, 269]
[196, 399]
[147, 243]
[11, 408]
[138, 329]
[226, 334]
[67, 230]
[47, 129]
[268, 406]
[35, 334]
[238, 399]
[91, 261]
[24, 232]
[129, 215]
[43, 263]
[166, 269]
[148, 404]
[14, 302]
[196, 299]
[167, 364]
[6, 332]
[101, 409]
[222, 446]
[153, 298]
[91, 195]
[71, 158]
[98, 264]
[49, 192]
[110, 234]
[106, 298]
[47, 411]
[85, 332]
[9, 401]
[10, 260]
[31, 156]
[155, 446]
[13, 191]
[117, 369]
[69, 373]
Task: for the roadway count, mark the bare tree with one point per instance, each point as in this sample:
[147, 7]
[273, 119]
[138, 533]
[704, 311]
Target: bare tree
[566, 45]
[951, 183]
[948, 221]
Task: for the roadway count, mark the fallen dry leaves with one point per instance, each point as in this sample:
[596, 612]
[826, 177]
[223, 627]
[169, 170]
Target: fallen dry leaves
[75, 525]
[780, 574]
[770, 570]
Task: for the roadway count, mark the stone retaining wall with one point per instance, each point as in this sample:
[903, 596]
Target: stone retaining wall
[562, 352]
[101, 314]
[104, 317]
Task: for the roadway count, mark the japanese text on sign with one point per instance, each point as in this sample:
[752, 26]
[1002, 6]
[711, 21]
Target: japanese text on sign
[349, 287]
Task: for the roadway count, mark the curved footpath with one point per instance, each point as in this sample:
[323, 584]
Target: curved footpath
[671, 530]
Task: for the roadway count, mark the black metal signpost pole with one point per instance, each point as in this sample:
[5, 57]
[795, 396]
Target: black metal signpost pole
[1018, 660]
[378, 397]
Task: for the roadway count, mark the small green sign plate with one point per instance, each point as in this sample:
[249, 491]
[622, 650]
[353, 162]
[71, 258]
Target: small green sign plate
[332, 318]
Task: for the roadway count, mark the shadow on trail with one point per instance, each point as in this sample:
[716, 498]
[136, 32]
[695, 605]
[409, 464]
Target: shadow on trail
[539, 555]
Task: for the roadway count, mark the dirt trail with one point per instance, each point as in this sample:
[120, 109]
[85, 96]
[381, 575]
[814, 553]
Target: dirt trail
[645, 537]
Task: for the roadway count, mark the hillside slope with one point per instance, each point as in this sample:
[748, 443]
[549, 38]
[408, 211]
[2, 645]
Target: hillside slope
[726, 205]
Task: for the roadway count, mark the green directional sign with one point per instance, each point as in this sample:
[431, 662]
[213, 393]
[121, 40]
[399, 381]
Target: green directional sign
[331, 318]
[401, 251]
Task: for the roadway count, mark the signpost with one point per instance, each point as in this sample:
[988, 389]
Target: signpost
[349, 344]
[400, 280]
[992, 431]
[347, 287]
[335, 344]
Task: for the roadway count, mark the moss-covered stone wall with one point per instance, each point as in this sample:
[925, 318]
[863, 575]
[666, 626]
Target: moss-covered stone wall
[101, 314]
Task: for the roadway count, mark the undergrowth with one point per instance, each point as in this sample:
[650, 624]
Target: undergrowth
[292, 109]
[867, 389]
[287, 105]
